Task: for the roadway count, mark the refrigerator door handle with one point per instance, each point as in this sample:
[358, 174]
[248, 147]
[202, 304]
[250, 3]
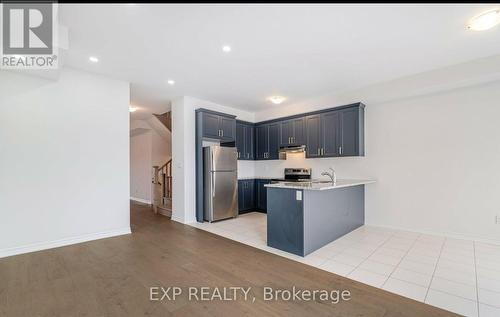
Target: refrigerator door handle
[212, 164]
[213, 183]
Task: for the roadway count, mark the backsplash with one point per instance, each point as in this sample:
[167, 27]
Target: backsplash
[346, 167]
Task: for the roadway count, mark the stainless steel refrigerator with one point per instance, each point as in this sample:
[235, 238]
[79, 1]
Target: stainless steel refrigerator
[220, 182]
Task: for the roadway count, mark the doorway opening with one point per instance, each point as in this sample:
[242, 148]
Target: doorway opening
[151, 162]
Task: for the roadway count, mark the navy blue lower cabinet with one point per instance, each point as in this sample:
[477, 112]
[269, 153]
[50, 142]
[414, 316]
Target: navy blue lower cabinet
[261, 194]
[241, 195]
[246, 195]
[285, 220]
[249, 202]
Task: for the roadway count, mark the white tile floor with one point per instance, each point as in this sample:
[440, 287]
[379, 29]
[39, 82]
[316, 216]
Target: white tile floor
[458, 275]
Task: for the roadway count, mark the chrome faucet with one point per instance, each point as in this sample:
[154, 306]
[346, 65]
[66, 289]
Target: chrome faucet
[332, 175]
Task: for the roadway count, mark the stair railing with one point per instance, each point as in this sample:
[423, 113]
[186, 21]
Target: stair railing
[165, 175]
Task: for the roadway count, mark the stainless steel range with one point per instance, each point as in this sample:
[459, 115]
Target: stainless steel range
[295, 175]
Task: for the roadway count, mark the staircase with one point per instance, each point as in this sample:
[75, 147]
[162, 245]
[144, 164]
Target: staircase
[166, 119]
[162, 179]
[162, 199]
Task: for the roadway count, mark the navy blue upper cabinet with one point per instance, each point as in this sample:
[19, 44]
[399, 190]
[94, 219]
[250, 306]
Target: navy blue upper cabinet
[218, 126]
[245, 144]
[240, 140]
[314, 141]
[261, 141]
[211, 125]
[351, 132]
[293, 132]
[274, 141]
[250, 142]
[286, 132]
[299, 131]
[330, 127]
[228, 128]
[267, 138]
[336, 132]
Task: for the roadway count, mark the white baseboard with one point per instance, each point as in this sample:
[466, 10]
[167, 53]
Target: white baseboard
[62, 242]
[165, 213]
[177, 219]
[144, 201]
[441, 234]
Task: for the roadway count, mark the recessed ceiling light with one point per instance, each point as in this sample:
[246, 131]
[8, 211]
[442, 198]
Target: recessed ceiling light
[485, 20]
[226, 48]
[276, 99]
[171, 81]
[93, 59]
[132, 109]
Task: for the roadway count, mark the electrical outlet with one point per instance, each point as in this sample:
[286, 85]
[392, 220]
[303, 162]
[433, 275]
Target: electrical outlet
[298, 195]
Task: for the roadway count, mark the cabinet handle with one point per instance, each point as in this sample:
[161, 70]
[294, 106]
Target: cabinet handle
[340, 150]
[222, 132]
[248, 155]
[322, 151]
[319, 151]
[218, 132]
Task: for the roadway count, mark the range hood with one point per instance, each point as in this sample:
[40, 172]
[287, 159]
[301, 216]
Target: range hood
[290, 149]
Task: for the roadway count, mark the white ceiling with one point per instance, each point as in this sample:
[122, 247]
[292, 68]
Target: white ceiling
[297, 51]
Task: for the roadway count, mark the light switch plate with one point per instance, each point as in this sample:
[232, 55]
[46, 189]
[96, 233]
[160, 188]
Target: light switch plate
[298, 195]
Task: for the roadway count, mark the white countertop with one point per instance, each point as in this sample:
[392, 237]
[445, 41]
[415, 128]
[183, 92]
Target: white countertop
[341, 183]
[258, 177]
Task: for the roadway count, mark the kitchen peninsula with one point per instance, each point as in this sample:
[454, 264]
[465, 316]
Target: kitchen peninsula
[303, 217]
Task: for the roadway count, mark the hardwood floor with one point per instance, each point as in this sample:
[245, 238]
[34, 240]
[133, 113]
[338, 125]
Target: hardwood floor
[112, 277]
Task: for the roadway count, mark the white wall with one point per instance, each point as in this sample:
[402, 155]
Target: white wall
[161, 149]
[140, 166]
[183, 153]
[150, 145]
[435, 158]
[64, 160]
